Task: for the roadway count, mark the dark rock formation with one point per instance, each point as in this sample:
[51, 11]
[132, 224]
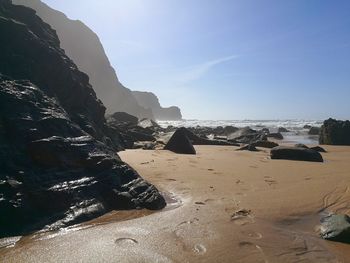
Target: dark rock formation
[150, 101]
[197, 140]
[334, 132]
[315, 148]
[282, 129]
[265, 144]
[130, 131]
[124, 118]
[180, 143]
[276, 135]
[297, 154]
[247, 136]
[336, 228]
[300, 145]
[83, 46]
[249, 147]
[58, 160]
[318, 149]
[314, 131]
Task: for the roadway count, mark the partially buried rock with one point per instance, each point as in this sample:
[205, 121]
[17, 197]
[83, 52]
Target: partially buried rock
[265, 144]
[180, 143]
[336, 228]
[300, 145]
[249, 147]
[318, 149]
[295, 153]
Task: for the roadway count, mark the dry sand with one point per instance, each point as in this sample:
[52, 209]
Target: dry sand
[225, 206]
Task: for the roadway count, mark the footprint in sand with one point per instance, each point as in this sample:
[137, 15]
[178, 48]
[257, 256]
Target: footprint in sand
[192, 236]
[242, 217]
[125, 241]
[252, 234]
[254, 252]
[269, 180]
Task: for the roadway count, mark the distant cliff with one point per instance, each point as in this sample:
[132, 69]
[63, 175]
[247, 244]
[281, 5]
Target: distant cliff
[149, 100]
[83, 46]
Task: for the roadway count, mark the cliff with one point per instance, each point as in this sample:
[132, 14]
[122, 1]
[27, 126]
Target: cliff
[149, 100]
[83, 46]
[57, 153]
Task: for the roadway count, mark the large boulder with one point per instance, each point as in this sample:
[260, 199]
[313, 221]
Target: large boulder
[336, 228]
[180, 143]
[58, 155]
[335, 132]
[295, 153]
[123, 117]
[265, 144]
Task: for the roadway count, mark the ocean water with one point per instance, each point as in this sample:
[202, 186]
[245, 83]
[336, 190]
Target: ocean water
[296, 134]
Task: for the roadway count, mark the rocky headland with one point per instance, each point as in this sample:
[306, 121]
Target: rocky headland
[84, 47]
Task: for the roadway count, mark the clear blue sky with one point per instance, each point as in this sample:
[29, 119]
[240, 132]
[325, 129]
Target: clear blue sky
[229, 59]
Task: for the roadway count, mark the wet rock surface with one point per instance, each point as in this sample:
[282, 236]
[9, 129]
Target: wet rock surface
[336, 227]
[335, 132]
[295, 153]
[58, 155]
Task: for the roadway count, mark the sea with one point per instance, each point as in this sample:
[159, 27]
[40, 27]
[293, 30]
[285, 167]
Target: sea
[296, 131]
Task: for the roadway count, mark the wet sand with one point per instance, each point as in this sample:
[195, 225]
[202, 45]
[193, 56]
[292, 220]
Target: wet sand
[225, 206]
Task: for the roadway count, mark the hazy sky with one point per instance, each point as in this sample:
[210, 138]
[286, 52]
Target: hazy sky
[228, 59]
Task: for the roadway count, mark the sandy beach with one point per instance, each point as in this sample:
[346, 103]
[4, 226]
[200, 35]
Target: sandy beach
[224, 206]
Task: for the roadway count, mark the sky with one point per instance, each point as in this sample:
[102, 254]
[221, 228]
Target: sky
[228, 59]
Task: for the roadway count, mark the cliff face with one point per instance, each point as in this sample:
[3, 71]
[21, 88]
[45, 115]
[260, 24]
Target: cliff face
[149, 100]
[83, 46]
[57, 154]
